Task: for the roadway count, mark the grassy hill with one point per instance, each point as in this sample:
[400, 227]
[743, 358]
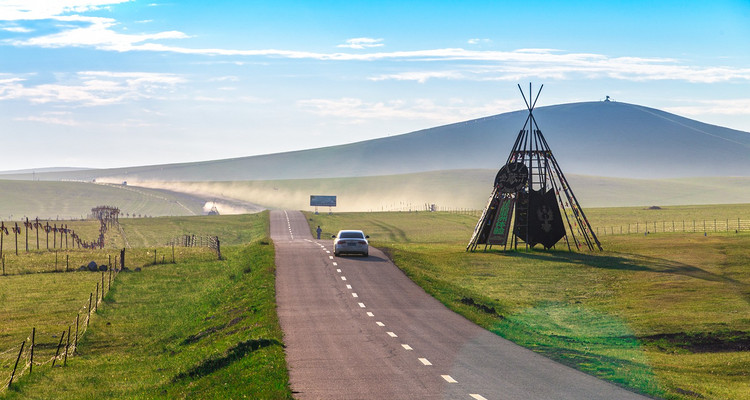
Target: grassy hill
[65, 200]
[601, 138]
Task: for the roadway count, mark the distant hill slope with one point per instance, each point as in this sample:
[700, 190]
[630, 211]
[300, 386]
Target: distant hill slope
[64, 200]
[464, 189]
[593, 138]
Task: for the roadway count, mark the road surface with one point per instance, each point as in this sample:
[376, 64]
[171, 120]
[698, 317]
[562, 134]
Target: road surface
[358, 328]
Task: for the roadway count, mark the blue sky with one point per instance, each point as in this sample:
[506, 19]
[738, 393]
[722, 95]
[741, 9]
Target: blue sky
[107, 83]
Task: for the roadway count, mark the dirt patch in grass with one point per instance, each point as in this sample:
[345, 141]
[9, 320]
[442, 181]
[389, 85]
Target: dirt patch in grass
[702, 342]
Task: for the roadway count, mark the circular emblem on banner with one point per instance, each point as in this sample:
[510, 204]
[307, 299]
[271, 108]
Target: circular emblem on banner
[512, 177]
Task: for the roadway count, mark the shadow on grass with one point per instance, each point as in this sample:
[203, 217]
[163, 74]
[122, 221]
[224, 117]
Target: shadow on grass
[626, 262]
[395, 234]
[211, 365]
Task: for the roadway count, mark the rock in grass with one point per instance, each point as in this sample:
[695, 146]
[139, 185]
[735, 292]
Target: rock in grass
[93, 267]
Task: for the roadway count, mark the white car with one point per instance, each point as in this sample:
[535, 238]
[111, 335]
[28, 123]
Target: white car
[350, 241]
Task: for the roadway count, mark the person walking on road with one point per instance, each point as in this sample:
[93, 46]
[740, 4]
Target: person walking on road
[318, 231]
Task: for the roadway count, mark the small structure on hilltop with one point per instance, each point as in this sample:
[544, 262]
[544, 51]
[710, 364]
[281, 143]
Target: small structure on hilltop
[531, 200]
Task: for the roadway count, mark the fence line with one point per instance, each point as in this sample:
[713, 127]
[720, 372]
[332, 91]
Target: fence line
[81, 327]
[191, 240]
[678, 226]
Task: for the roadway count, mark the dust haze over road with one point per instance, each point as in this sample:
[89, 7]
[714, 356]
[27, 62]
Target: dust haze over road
[358, 328]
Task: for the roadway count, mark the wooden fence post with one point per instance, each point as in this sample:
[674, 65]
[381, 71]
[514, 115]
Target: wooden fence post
[14, 368]
[89, 310]
[75, 344]
[31, 363]
[54, 360]
[67, 346]
[96, 303]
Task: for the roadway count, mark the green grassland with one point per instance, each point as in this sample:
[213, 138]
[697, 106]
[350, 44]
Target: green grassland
[199, 328]
[666, 314]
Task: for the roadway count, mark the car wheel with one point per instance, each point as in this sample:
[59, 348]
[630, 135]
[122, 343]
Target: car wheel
[335, 253]
[366, 254]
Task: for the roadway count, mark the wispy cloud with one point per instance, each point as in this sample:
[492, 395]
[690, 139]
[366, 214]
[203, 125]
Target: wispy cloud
[443, 63]
[354, 111]
[90, 88]
[716, 107]
[479, 41]
[362, 43]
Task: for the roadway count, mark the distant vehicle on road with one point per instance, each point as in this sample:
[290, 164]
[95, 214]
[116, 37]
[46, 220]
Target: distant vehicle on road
[350, 242]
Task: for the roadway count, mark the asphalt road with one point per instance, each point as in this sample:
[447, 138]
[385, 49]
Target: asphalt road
[358, 328]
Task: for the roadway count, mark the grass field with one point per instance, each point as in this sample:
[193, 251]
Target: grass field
[69, 200]
[665, 314]
[200, 328]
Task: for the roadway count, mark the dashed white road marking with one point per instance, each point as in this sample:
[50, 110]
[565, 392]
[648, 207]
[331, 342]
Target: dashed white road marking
[406, 347]
[391, 334]
[425, 361]
[477, 397]
[449, 379]
[335, 264]
[330, 257]
[369, 314]
[338, 270]
[380, 323]
[362, 305]
[354, 295]
[349, 287]
[328, 251]
[343, 278]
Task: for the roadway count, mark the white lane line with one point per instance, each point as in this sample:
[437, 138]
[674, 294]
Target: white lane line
[425, 361]
[349, 287]
[477, 396]
[330, 257]
[449, 379]
[380, 323]
[343, 278]
[369, 314]
[406, 347]
[362, 305]
[338, 270]
[354, 295]
[328, 252]
[391, 334]
[335, 264]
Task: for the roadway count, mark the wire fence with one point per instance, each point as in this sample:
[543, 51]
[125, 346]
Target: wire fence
[30, 354]
[677, 226]
[192, 240]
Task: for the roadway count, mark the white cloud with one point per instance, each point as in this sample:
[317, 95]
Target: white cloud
[352, 110]
[480, 65]
[716, 107]
[362, 43]
[17, 10]
[16, 29]
[479, 41]
[51, 118]
[90, 88]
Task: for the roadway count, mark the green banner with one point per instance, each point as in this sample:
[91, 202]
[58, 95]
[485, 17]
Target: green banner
[501, 225]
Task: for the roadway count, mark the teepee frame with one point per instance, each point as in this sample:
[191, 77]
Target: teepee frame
[530, 169]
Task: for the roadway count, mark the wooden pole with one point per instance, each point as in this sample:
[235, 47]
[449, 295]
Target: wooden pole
[31, 363]
[67, 346]
[54, 360]
[89, 310]
[14, 368]
[96, 303]
[75, 344]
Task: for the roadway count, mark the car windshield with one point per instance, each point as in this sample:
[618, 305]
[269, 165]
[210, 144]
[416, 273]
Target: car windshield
[352, 235]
